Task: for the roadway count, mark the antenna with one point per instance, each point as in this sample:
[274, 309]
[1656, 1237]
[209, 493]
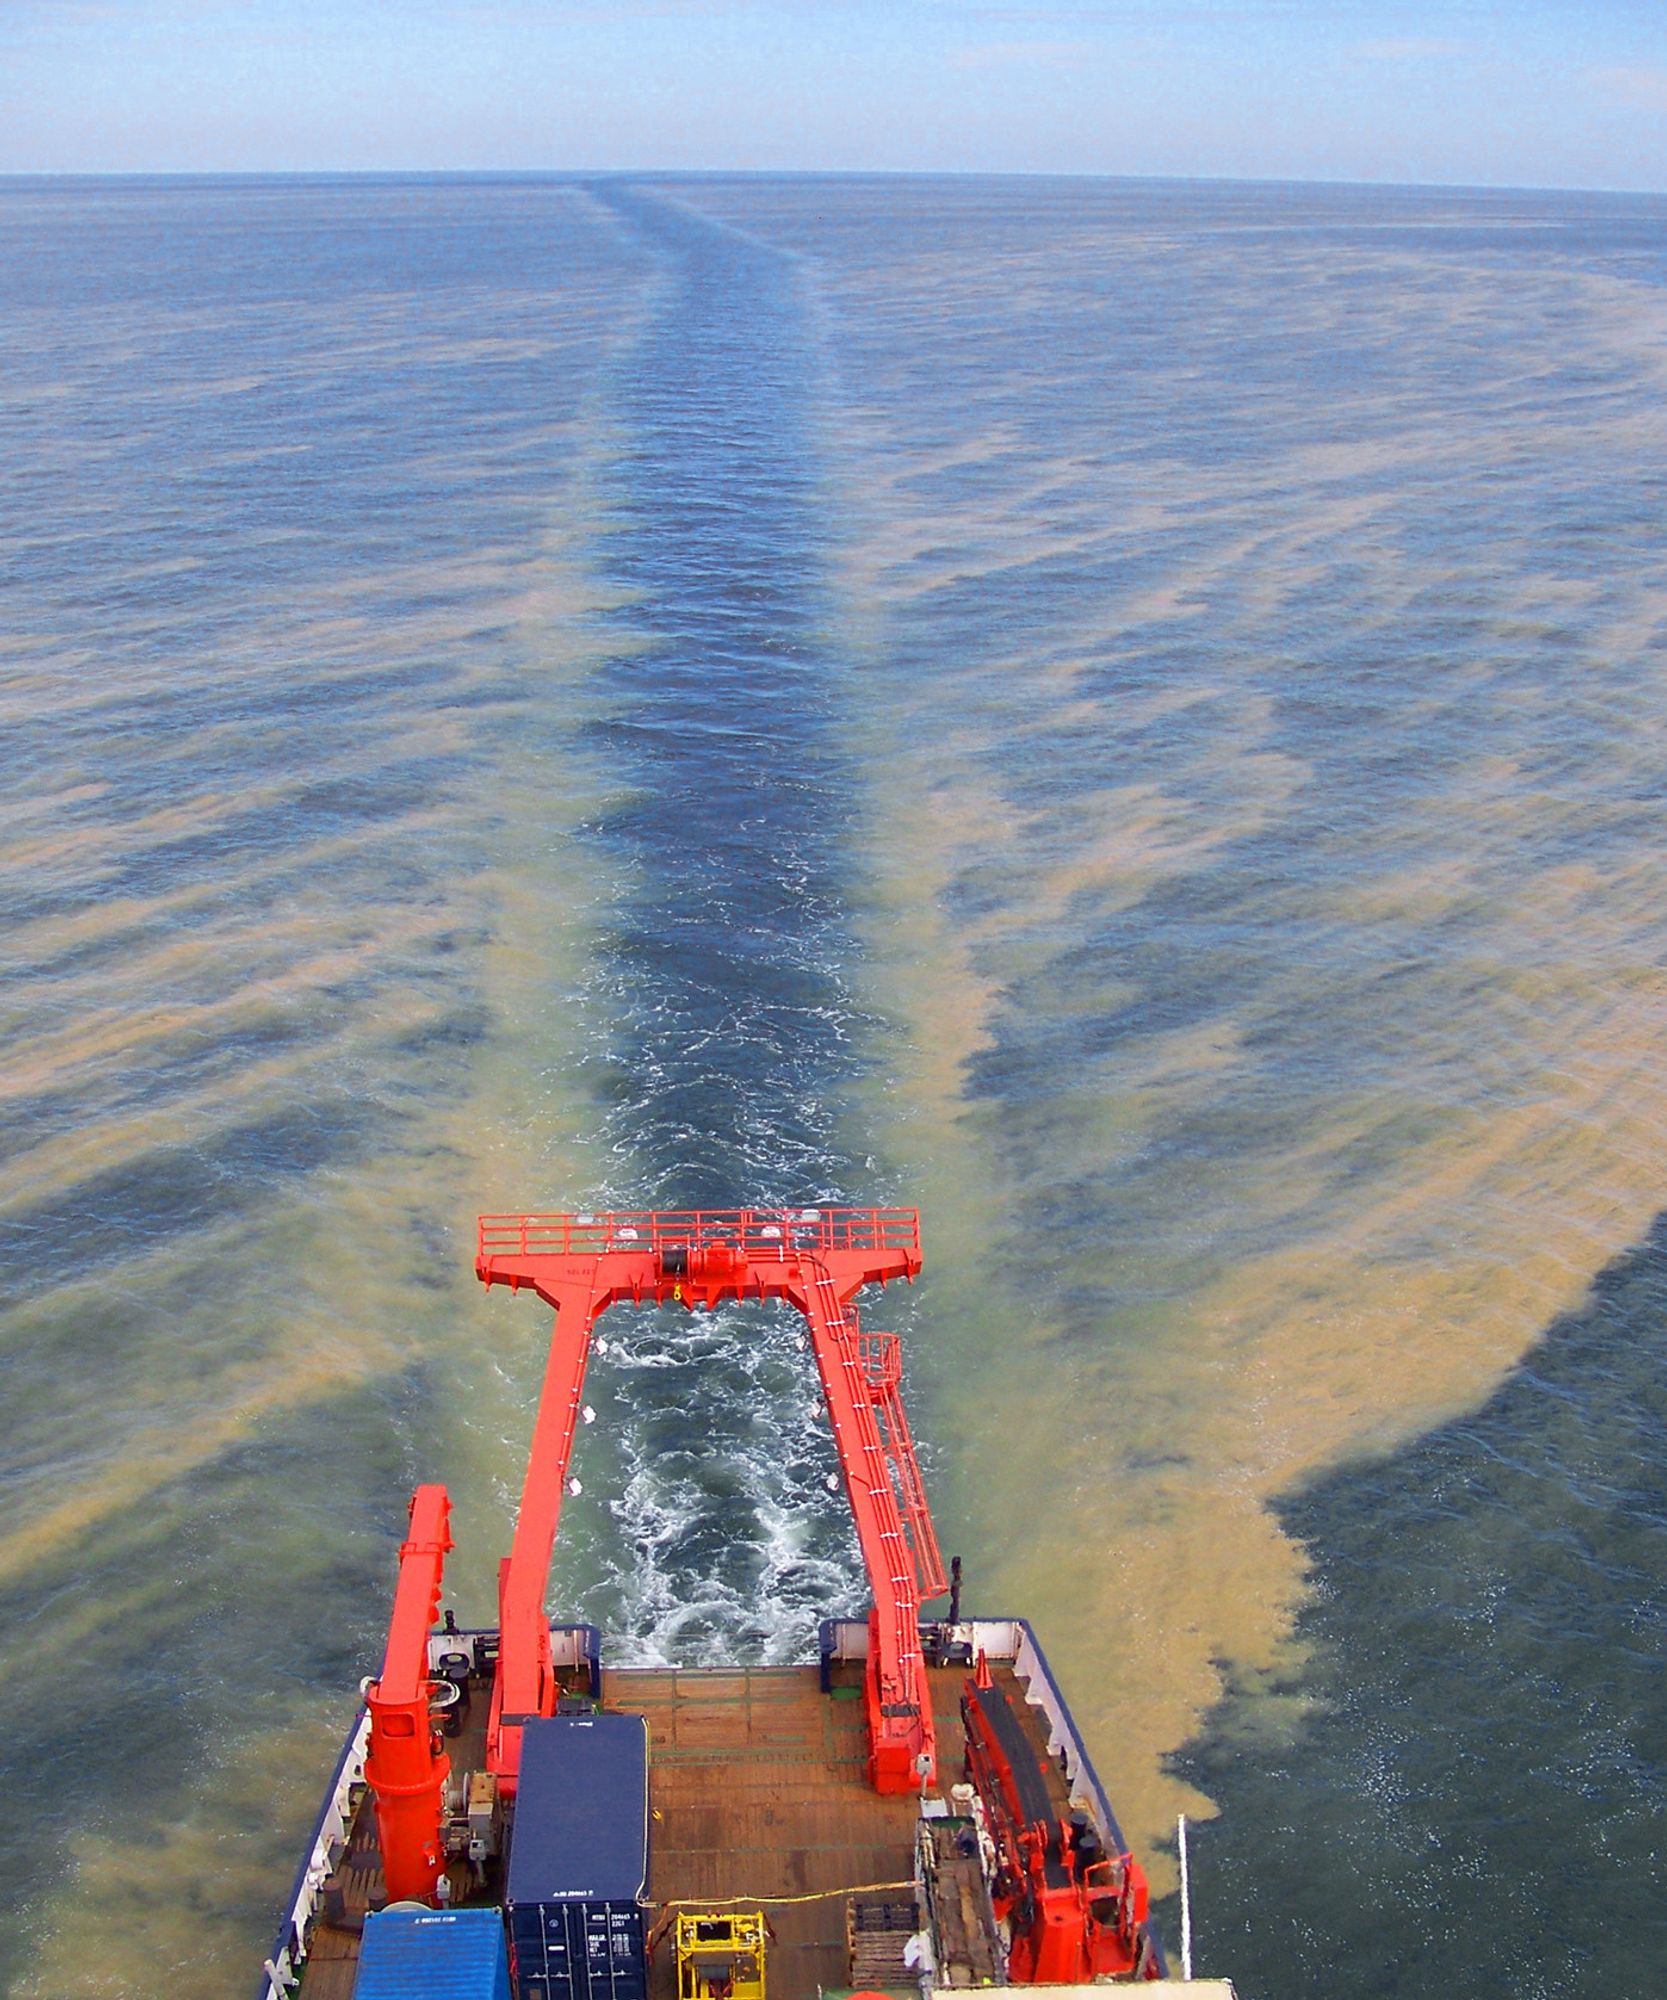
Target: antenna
[1186, 1898]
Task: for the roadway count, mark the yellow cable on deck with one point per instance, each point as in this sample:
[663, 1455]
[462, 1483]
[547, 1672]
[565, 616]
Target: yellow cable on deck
[816, 1896]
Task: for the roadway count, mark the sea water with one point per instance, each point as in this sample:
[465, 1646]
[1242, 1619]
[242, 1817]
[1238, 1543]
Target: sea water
[1130, 715]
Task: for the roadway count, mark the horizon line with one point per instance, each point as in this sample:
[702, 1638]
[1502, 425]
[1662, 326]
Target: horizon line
[206, 174]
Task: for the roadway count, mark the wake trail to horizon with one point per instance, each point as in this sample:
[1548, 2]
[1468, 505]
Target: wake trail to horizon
[723, 977]
[729, 966]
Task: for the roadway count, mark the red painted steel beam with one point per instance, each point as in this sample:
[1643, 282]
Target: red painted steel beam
[525, 1684]
[406, 1766]
[902, 1747]
[818, 1259]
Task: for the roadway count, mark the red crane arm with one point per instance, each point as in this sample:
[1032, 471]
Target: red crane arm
[818, 1260]
[405, 1766]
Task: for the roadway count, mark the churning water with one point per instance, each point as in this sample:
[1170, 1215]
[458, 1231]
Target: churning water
[1130, 715]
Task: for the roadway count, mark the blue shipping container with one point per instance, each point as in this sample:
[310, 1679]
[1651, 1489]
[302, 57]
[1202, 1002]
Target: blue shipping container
[578, 1859]
[579, 1951]
[581, 1811]
[433, 1955]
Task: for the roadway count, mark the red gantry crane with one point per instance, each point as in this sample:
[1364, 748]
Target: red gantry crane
[817, 1259]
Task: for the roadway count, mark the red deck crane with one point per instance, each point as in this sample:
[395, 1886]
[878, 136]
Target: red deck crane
[1075, 1913]
[406, 1767]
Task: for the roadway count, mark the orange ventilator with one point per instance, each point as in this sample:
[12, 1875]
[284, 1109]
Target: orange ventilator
[818, 1259]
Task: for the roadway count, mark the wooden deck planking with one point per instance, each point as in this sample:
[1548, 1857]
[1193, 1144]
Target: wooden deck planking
[758, 1792]
[757, 1789]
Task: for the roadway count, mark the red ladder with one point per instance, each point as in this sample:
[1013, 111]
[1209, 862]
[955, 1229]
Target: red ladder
[882, 1362]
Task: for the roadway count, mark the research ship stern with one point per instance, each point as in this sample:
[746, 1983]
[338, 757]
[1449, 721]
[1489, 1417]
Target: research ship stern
[513, 1818]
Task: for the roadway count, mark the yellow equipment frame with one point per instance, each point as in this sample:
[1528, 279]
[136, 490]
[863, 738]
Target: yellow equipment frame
[720, 1955]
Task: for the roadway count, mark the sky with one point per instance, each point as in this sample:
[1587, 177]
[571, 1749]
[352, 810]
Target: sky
[1466, 92]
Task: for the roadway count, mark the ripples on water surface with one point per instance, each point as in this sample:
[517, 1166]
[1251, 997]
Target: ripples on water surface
[1130, 715]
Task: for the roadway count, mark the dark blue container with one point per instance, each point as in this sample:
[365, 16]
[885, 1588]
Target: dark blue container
[579, 1951]
[433, 1955]
[578, 1859]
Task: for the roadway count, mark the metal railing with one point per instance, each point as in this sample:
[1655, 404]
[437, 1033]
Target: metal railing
[762, 1234]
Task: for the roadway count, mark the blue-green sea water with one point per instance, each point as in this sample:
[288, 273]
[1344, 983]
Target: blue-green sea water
[1131, 715]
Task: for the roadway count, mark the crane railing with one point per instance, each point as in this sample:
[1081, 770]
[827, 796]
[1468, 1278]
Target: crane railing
[882, 1362]
[766, 1235]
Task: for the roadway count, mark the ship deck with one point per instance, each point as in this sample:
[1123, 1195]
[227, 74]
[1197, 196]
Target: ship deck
[758, 1797]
